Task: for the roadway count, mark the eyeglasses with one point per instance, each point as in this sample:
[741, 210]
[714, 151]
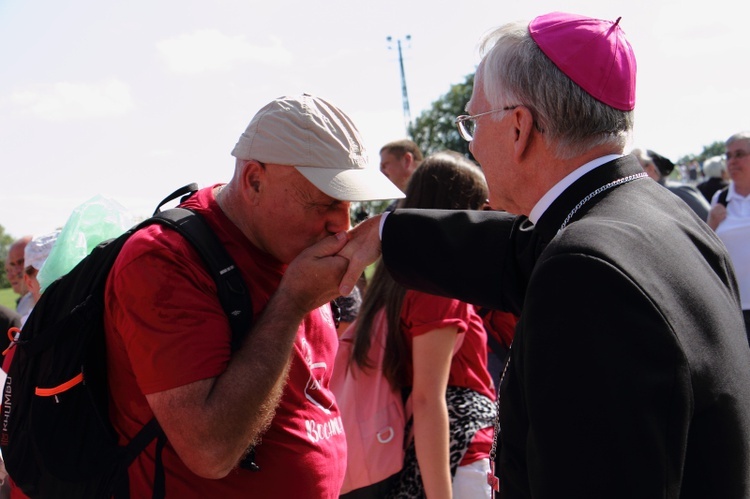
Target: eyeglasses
[736, 154]
[466, 124]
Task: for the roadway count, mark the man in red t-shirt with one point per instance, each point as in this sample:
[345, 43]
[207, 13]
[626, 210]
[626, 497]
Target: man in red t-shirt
[282, 218]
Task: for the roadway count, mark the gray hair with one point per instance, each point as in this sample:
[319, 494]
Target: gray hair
[738, 137]
[516, 71]
[714, 166]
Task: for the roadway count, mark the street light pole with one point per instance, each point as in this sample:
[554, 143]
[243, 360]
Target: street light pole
[404, 94]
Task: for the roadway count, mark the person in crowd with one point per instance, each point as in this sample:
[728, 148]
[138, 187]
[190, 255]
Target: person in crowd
[658, 168]
[361, 214]
[14, 271]
[398, 161]
[34, 255]
[717, 177]
[348, 309]
[282, 218]
[692, 169]
[437, 352]
[730, 215]
[629, 373]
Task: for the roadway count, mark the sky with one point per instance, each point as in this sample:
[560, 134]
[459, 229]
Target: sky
[130, 100]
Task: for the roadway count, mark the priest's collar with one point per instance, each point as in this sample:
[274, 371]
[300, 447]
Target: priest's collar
[541, 206]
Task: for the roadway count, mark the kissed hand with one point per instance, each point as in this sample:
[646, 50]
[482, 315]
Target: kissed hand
[362, 249]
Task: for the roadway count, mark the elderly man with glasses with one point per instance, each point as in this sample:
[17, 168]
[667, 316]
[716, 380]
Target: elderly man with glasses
[629, 374]
[730, 215]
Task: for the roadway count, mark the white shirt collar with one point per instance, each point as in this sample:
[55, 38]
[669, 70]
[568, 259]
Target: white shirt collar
[733, 193]
[541, 206]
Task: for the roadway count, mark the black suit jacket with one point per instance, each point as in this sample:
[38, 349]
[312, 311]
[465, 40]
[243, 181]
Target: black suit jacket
[630, 368]
[710, 186]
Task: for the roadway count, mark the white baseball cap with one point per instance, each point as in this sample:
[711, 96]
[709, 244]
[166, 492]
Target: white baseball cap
[321, 142]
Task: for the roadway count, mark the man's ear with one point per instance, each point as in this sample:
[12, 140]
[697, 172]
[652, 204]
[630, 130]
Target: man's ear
[523, 129]
[409, 161]
[253, 175]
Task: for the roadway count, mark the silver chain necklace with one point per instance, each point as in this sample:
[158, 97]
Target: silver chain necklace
[597, 192]
[491, 478]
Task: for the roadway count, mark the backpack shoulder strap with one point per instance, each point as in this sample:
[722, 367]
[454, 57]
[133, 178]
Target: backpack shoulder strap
[232, 291]
[233, 296]
[723, 196]
[185, 191]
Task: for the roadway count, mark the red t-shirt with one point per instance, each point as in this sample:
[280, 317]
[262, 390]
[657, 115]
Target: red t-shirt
[501, 325]
[165, 328]
[422, 313]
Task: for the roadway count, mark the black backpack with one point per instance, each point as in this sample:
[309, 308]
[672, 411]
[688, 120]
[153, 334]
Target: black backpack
[56, 437]
[723, 193]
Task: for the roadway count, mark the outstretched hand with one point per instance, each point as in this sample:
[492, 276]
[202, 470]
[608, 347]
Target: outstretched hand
[362, 249]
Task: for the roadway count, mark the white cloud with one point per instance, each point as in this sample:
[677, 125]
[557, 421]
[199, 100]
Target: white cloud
[211, 50]
[65, 100]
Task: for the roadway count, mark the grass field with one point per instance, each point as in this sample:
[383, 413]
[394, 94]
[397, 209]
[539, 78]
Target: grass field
[8, 298]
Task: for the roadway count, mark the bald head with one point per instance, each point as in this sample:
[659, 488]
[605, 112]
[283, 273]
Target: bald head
[14, 265]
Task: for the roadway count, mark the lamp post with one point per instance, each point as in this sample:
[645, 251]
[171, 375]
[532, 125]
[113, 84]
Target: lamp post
[404, 94]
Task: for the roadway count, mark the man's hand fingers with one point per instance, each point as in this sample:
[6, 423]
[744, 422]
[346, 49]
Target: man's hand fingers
[349, 280]
[362, 249]
[329, 246]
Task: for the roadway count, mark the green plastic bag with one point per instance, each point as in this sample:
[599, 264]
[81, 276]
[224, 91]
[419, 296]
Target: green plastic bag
[94, 221]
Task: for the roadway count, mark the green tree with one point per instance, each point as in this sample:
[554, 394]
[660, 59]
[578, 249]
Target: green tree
[715, 149]
[360, 210]
[5, 242]
[434, 130]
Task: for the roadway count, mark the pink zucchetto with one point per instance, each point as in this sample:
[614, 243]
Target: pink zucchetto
[591, 52]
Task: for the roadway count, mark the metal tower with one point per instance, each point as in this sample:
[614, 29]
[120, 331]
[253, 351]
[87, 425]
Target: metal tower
[404, 94]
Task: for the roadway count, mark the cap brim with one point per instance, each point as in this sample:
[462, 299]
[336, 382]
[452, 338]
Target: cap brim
[363, 184]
